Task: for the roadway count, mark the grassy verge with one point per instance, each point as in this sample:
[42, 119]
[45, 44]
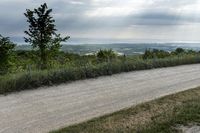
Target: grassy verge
[157, 116]
[35, 79]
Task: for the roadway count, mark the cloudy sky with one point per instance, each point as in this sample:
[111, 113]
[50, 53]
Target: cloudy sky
[110, 20]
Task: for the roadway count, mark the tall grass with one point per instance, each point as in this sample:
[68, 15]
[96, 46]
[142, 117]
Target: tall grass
[34, 79]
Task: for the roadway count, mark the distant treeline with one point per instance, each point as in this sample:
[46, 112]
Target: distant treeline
[155, 53]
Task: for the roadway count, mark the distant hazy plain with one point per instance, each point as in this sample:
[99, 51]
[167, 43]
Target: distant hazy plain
[122, 48]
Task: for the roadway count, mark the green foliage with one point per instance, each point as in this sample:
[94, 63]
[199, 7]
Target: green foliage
[179, 50]
[6, 49]
[158, 54]
[82, 67]
[42, 32]
[187, 113]
[64, 67]
[54, 45]
[106, 55]
[155, 53]
[25, 61]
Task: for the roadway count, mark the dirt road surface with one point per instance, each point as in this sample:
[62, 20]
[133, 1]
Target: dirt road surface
[50, 108]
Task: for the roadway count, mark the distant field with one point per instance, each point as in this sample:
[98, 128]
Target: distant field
[124, 48]
[164, 115]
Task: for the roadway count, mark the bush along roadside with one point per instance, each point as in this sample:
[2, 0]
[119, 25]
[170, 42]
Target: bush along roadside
[34, 79]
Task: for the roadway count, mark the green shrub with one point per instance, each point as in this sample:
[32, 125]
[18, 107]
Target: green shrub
[179, 50]
[106, 55]
[6, 50]
[37, 78]
[155, 53]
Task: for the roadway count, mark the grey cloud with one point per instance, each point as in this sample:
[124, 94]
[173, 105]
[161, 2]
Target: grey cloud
[172, 3]
[81, 22]
[156, 18]
[164, 18]
[71, 16]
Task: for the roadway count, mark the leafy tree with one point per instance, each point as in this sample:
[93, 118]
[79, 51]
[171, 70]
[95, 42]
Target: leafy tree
[147, 54]
[179, 50]
[106, 55]
[190, 51]
[155, 53]
[42, 32]
[6, 48]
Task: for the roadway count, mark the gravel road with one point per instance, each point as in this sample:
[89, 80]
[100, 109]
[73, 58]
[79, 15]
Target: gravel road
[50, 108]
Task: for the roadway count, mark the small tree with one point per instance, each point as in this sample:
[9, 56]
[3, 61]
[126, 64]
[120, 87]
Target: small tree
[42, 32]
[6, 48]
[179, 50]
[106, 55]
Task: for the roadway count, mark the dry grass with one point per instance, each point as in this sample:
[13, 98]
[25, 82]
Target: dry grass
[136, 118]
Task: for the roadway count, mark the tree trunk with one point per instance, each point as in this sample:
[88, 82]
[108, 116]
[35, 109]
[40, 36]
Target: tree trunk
[43, 57]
